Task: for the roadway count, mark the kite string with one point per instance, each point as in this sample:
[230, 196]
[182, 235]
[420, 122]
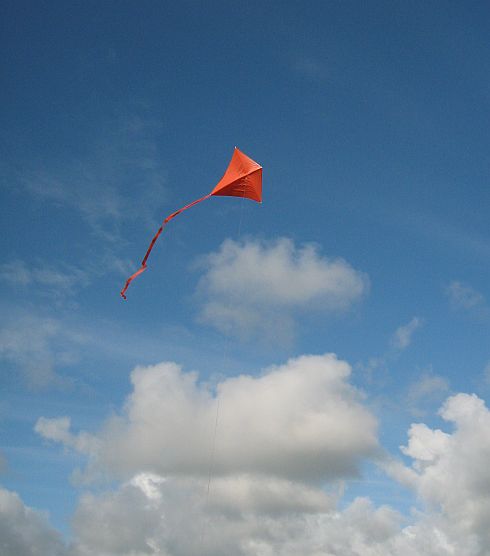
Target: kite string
[216, 420]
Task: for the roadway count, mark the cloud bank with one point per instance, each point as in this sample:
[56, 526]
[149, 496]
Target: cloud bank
[265, 497]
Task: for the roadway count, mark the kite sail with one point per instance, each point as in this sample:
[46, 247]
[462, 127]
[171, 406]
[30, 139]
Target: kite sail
[243, 178]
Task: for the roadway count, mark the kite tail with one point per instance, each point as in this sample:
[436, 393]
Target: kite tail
[153, 241]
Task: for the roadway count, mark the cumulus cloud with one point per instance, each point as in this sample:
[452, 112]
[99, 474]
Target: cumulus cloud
[255, 288]
[285, 439]
[179, 522]
[299, 421]
[450, 474]
[24, 531]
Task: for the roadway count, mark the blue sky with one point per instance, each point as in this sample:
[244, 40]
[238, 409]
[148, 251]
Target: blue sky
[371, 123]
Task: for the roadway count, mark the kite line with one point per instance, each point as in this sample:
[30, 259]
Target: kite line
[216, 420]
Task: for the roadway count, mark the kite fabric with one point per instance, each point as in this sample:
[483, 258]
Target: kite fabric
[243, 178]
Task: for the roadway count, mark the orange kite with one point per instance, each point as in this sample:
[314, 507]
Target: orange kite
[243, 178]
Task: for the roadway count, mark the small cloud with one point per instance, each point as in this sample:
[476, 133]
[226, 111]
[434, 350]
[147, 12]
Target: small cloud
[309, 67]
[399, 341]
[402, 337]
[58, 430]
[463, 296]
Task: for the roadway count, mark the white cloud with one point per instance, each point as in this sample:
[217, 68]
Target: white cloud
[450, 474]
[298, 421]
[463, 296]
[24, 531]
[179, 522]
[281, 435]
[255, 288]
[286, 439]
[402, 337]
[58, 430]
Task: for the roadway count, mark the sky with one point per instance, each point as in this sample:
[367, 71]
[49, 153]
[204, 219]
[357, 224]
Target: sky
[309, 375]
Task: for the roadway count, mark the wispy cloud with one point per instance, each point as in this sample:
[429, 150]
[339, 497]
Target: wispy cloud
[464, 296]
[116, 182]
[59, 282]
[427, 390]
[56, 281]
[402, 337]
[310, 67]
[399, 342]
[37, 347]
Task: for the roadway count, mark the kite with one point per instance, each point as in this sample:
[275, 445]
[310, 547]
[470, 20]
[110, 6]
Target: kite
[243, 178]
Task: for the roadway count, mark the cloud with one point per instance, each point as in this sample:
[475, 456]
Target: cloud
[255, 288]
[402, 337]
[24, 531]
[38, 346]
[463, 296]
[400, 340]
[285, 440]
[450, 474]
[178, 522]
[298, 421]
[58, 430]
[149, 515]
